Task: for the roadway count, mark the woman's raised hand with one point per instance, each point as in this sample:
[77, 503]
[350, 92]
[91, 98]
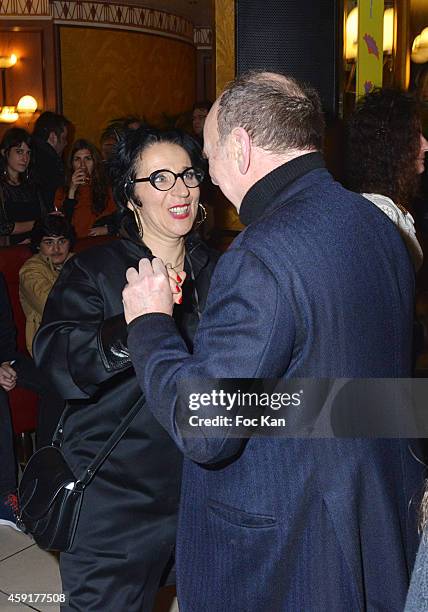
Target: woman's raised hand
[79, 177]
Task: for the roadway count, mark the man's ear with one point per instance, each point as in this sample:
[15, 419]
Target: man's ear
[242, 145]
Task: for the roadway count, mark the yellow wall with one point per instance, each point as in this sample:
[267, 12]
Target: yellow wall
[225, 42]
[109, 73]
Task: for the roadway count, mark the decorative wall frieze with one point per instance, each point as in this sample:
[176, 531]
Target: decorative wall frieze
[101, 15]
[25, 9]
[97, 14]
[203, 37]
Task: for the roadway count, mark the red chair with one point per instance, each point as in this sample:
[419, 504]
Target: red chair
[23, 403]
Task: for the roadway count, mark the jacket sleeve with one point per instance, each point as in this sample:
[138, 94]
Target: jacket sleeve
[34, 285]
[7, 327]
[59, 198]
[247, 331]
[67, 345]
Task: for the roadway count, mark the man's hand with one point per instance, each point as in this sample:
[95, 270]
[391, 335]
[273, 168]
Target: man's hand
[150, 290]
[7, 376]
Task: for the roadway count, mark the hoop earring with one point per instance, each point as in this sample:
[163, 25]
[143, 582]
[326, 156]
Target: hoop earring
[137, 219]
[203, 212]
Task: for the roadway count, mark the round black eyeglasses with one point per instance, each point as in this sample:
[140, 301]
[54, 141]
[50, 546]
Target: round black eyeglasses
[164, 180]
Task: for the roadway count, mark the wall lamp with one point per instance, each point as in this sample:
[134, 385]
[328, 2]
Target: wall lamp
[420, 48]
[27, 105]
[7, 61]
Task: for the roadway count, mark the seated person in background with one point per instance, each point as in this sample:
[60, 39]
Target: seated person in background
[51, 241]
[199, 114]
[386, 151]
[18, 370]
[87, 200]
[8, 354]
[21, 203]
[50, 137]
[114, 131]
[108, 141]
[132, 122]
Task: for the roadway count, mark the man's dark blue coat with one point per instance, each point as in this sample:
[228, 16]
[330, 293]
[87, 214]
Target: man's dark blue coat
[318, 285]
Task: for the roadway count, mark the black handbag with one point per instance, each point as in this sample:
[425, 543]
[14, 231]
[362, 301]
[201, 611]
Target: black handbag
[50, 495]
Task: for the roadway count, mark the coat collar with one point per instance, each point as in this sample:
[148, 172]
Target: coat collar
[197, 253]
[46, 147]
[48, 262]
[262, 194]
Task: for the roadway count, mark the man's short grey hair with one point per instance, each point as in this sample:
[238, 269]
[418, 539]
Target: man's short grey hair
[277, 111]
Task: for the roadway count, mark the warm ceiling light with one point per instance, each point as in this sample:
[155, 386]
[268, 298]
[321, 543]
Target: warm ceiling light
[8, 61]
[27, 104]
[351, 41]
[420, 48]
[8, 114]
[388, 30]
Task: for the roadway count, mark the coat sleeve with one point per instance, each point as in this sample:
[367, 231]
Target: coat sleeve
[67, 345]
[247, 331]
[34, 285]
[7, 326]
[59, 198]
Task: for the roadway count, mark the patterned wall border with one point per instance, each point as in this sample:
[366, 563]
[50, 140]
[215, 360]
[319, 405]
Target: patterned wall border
[24, 9]
[101, 15]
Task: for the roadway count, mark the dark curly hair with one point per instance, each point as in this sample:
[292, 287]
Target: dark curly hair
[51, 225]
[383, 144]
[131, 145]
[99, 179]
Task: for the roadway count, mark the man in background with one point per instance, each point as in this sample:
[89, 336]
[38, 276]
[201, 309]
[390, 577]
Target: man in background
[50, 137]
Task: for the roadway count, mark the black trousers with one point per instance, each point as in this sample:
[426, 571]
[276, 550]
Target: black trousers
[7, 454]
[126, 574]
[124, 544]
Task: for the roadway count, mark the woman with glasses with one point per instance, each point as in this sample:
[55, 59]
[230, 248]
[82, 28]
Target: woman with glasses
[21, 204]
[86, 200]
[123, 548]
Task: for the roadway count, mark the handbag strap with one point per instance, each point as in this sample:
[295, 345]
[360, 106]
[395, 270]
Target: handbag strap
[105, 450]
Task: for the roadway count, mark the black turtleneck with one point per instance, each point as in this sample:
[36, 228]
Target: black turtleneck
[261, 194]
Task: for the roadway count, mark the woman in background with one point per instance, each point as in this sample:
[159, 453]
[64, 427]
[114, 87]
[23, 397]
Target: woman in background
[21, 204]
[386, 156]
[87, 200]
